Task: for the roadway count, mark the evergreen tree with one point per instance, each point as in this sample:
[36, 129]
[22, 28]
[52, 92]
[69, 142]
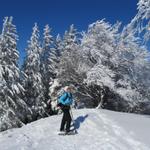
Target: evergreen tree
[58, 45]
[48, 63]
[49, 50]
[34, 92]
[70, 44]
[12, 107]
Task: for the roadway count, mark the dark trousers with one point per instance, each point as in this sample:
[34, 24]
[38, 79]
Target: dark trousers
[66, 119]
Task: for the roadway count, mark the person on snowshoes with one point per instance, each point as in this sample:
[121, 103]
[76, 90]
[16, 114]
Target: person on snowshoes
[64, 102]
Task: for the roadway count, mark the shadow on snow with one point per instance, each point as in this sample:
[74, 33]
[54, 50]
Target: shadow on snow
[77, 122]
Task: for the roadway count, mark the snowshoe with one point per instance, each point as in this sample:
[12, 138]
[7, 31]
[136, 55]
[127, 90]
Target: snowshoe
[72, 132]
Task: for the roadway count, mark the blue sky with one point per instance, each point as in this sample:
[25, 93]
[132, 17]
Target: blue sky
[59, 14]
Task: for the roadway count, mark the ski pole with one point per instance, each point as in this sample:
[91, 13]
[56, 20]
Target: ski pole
[71, 114]
[73, 120]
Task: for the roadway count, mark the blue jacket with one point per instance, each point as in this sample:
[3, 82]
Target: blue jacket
[66, 99]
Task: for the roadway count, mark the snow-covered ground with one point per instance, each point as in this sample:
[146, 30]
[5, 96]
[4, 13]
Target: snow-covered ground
[97, 130]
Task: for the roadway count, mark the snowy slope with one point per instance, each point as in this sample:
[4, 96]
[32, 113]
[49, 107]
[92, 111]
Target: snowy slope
[97, 130]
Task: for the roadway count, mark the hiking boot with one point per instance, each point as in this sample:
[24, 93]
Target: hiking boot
[62, 130]
[67, 131]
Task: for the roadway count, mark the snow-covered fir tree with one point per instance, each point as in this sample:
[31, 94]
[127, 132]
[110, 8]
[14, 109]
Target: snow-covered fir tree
[49, 62]
[58, 45]
[52, 61]
[70, 44]
[13, 109]
[33, 84]
[47, 44]
[45, 69]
